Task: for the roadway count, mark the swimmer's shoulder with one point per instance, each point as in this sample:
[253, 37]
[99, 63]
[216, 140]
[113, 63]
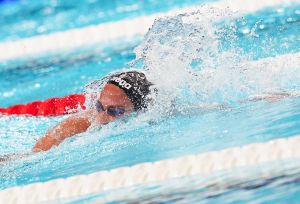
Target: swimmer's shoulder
[89, 115]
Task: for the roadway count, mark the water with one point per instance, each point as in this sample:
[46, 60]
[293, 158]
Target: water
[43, 76]
[27, 18]
[238, 186]
[210, 114]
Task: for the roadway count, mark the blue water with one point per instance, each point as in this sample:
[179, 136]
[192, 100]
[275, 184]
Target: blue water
[274, 34]
[6, 1]
[27, 18]
[43, 76]
[193, 130]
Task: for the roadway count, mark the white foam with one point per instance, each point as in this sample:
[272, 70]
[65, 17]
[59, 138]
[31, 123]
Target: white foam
[109, 31]
[187, 48]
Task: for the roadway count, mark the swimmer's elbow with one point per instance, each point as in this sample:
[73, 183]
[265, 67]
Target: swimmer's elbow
[67, 128]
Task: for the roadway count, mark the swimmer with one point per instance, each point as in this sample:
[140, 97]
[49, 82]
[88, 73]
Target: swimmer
[124, 93]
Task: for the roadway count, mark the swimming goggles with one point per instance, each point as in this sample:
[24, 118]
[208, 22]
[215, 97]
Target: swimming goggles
[112, 111]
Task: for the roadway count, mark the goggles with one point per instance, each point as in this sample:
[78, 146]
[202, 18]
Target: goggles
[112, 111]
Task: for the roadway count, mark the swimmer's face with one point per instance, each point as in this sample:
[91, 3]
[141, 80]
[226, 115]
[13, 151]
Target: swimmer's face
[113, 97]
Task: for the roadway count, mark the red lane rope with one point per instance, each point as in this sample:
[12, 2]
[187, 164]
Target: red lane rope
[50, 107]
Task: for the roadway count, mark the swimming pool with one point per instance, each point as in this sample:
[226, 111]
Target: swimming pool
[29, 18]
[136, 140]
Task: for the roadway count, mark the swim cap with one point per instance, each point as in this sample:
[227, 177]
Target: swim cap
[135, 85]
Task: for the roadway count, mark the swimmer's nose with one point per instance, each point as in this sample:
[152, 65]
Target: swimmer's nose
[103, 118]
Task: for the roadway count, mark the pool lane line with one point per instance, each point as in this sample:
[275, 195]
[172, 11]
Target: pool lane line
[204, 164]
[129, 28]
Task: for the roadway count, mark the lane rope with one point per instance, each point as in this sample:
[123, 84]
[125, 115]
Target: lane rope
[202, 164]
[125, 29]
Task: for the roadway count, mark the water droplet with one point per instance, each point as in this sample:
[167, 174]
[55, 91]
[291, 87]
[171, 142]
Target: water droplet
[47, 10]
[108, 59]
[280, 10]
[41, 29]
[290, 19]
[262, 26]
[246, 31]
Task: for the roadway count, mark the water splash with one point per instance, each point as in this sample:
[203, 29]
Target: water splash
[186, 58]
[193, 61]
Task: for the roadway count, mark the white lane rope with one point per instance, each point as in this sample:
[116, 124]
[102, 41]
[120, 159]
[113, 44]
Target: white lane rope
[195, 165]
[106, 32]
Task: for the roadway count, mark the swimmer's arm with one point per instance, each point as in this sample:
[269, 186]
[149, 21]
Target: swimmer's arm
[67, 128]
[12, 157]
[273, 97]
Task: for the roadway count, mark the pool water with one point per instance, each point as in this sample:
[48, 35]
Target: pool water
[215, 115]
[27, 18]
[237, 186]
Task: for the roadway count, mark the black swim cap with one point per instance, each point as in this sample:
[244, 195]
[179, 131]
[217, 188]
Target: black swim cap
[135, 85]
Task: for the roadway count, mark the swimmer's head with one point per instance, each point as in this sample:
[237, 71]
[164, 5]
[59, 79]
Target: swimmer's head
[135, 85]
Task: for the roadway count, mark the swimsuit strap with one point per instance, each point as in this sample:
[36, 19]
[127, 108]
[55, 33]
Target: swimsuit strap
[50, 107]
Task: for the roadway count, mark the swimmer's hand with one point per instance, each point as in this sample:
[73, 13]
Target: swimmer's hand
[71, 126]
[273, 97]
